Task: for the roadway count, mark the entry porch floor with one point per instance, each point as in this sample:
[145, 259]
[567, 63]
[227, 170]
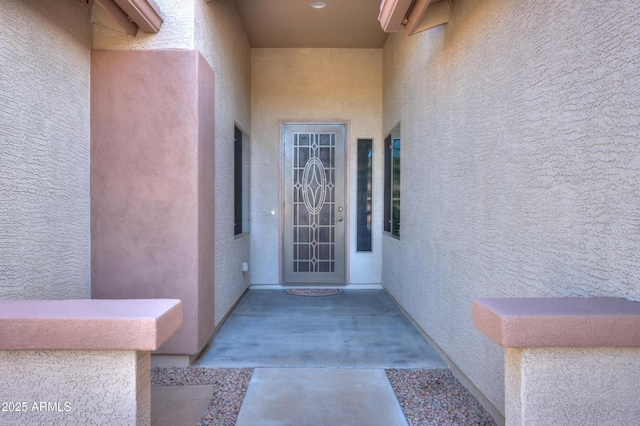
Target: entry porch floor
[315, 361]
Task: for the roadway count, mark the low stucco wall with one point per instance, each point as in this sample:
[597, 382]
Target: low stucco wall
[78, 362]
[312, 85]
[572, 386]
[520, 164]
[75, 387]
[44, 150]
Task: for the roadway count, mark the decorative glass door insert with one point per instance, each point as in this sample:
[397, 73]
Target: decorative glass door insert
[314, 203]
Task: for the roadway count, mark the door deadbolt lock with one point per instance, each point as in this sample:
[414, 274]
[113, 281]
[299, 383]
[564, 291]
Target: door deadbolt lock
[340, 209]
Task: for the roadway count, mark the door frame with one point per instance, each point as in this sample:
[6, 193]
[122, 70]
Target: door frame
[347, 195]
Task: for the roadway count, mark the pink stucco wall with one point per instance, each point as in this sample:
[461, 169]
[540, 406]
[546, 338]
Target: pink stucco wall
[152, 206]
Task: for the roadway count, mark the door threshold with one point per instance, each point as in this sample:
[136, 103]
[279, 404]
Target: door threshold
[288, 286]
[314, 285]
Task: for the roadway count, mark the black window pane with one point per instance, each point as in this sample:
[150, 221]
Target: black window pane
[237, 181]
[395, 194]
[364, 206]
[387, 183]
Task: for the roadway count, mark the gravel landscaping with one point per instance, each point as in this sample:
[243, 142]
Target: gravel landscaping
[435, 397]
[230, 386]
[427, 396]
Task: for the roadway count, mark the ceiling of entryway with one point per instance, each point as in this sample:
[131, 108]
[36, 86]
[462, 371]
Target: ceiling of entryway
[294, 23]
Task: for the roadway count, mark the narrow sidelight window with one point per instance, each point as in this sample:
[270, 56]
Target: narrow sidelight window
[365, 183]
[387, 184]
[241, 155]
[237, 180]
[392, 182]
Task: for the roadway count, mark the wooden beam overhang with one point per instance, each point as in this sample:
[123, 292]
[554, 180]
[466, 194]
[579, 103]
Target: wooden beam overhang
[425, 14]
[134, 14]
[392, 13]
[145, 13]
[415, 15]
[118, 14]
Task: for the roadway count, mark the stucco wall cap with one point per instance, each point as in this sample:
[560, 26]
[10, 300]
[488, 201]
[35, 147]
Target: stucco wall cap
[558, 321]
[88, 324]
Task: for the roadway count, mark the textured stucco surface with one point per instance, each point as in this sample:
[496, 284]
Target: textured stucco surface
[311, 85]
[520, 164]
[80, 387]
[220, 38]
[44, 149]
[570, 386]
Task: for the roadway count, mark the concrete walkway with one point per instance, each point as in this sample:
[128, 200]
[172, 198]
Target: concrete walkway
[316, 396]
[355, 329]
[319, 360]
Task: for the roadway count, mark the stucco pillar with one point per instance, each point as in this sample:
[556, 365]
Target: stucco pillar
[571, 386]
[75, 388]
[568, 361]
[82, 361]
[152, 184]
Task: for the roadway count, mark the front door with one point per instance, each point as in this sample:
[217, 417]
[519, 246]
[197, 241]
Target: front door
[314, 210]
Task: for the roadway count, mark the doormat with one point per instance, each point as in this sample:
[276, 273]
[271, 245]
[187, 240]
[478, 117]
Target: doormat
[313, 292]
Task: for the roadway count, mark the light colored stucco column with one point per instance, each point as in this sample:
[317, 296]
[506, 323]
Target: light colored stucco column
[80, 362]
[568, 361]
[75, 387]
[572, 386]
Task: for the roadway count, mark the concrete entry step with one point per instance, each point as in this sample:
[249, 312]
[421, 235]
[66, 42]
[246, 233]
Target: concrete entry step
[320, 396]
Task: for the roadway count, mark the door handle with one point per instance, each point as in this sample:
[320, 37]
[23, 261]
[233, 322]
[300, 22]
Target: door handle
[339, 219]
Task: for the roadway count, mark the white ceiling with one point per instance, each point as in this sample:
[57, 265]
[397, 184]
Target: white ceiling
[294, 23]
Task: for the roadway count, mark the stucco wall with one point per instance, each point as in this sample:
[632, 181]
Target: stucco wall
[220, 38]
[520, 164]
[311, 85]
[77, 387]
[573, 386]
[44, 149]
